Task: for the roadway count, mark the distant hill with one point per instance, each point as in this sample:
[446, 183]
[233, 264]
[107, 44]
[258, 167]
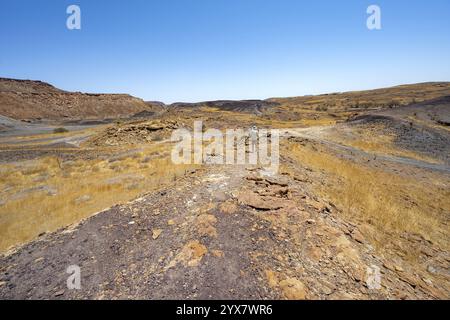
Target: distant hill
[246, 106]
[369, 99]
[431, 112]
[356, 101]
[27, 99]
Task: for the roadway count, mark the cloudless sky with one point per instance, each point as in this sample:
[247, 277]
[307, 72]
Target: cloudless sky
[194, 50]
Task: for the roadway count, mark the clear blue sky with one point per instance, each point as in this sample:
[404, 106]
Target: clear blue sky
[193, 50]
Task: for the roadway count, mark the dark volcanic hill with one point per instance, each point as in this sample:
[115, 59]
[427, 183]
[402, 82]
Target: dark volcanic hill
[247, 106]
[26, 99]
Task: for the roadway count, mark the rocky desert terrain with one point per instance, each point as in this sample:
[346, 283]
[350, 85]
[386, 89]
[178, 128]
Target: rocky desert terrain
[36, 100]
[363, 190]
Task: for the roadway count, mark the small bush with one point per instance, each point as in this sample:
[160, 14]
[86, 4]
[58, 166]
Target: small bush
[322, 108]
[158, 137]
[60, 130]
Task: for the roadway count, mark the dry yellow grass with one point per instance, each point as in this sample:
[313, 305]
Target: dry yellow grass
[384, 145]
[373, 140]
[387, 201]
[299, 118]
[379, 98]
[433, 125]
[73, 191]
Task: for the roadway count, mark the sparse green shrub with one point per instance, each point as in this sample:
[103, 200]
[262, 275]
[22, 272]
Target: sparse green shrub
[60, 130]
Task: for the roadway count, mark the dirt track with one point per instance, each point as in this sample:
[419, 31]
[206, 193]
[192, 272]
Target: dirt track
[316, 134]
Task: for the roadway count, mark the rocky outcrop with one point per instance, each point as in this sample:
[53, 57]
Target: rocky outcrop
[135, 133]
[34, 100]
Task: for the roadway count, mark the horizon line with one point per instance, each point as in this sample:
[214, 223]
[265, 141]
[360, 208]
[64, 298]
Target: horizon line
[215, 100]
